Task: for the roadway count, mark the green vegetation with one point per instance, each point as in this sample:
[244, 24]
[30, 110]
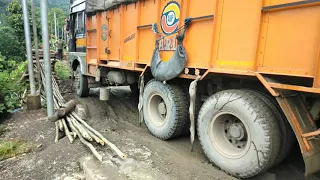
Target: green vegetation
[62, 70]
[61, 16]
[13, 148]
[3, 6]
[13, 51]
[11, 86]
[14, 19]
[11, 47]
[13, 61]
[61, 4]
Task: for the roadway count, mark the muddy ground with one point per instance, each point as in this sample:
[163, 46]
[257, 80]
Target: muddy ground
[117, 119]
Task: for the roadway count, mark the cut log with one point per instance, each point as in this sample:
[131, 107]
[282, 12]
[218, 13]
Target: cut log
[62, 112]
[42, 61]
[74, 135]
[81, 129]
[60, 125]
[56, 139]
[112, 146]
[96, 138]
[66, 130]
[90, 146]
[72, 121]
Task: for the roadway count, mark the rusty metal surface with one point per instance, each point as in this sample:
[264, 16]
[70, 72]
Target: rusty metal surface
[302, 123]
[294, 88]
[266, 85]
[311, 134]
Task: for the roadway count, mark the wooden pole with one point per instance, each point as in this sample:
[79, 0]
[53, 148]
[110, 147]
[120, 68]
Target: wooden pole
[112, 146]
[90, 146]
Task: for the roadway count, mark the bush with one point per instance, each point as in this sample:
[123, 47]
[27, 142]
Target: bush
[11, 46]
[11, 86]
[62, 70]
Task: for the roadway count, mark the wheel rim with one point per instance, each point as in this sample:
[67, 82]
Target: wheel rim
[76, 81]
[157, 110]
[229, 135]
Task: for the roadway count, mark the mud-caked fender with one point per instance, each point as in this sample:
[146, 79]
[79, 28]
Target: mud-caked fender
[78, 59]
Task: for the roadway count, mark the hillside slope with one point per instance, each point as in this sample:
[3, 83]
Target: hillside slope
[62, 4]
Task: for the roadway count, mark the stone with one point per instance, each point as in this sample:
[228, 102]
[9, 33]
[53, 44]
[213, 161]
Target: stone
[81, 111]
[95, 170]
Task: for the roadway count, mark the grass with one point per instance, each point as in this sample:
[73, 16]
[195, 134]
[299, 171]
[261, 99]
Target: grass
[62, 70]
[13, 148]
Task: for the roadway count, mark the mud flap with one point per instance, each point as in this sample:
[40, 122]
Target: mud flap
[140, 105]
[193, 94]
[302, 123]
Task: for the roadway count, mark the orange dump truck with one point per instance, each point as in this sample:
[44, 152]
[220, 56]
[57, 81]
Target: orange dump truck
[244, 75]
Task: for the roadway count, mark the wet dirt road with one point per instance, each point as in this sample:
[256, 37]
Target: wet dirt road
[168, 159]
[117, 119]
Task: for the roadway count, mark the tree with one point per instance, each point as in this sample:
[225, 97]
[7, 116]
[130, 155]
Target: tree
[3, 5]
[62, 4]
[11, 46]
[61, 16]
[15, 19]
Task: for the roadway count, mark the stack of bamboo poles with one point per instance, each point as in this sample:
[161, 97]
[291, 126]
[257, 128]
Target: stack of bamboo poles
[72, 125]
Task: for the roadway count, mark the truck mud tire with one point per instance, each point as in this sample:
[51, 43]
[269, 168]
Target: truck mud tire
[287, 136]
[238, 133]
[80, 83]
[165, 109]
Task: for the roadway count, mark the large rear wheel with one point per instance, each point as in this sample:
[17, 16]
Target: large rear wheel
[80, 83]
[238, 133]
[287, 137]
[164, 109]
